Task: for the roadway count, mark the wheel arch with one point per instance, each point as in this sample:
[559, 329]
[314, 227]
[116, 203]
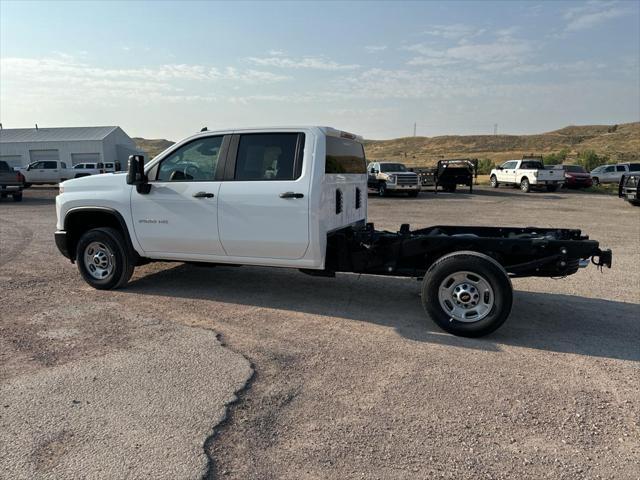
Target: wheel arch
[81, 219]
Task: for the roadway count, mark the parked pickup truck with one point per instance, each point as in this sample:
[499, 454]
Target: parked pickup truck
[297, 197]
[54, 172]
[386, 177]
[528, 174]
[628, 188]
[11, 182]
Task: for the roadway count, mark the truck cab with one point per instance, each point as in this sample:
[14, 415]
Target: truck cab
[265, 197]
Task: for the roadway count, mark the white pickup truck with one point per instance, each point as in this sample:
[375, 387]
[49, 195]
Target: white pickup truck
[296, 197]
[528, 174]
[53, 172]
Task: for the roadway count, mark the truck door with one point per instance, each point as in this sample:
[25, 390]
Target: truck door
[508, 172]
[264, 204]
[52, 172]
[179, 215]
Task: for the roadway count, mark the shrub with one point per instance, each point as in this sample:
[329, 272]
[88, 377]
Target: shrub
[555, 158]
[485, 165]
[590, 159]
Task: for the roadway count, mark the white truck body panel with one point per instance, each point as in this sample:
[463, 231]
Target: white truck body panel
[245, 222]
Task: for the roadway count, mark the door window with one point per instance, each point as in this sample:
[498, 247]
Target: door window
[609, 169]
[509, 165]
[80, 166]
[37, 165]
[50, 165]
[620, 168]
[63, 165]
[269, 156]
[196, 161]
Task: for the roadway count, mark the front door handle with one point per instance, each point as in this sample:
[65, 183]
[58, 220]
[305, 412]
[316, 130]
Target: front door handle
[203, 195]
[291, 195]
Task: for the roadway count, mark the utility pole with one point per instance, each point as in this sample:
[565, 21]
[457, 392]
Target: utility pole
[495, 129]
[414, 128]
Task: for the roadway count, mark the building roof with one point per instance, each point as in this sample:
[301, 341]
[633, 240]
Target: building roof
[58, 134]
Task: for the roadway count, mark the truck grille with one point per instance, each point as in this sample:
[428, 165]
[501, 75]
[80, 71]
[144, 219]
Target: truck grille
[407, 179]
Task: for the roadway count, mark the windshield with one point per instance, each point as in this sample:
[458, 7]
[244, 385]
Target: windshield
[574, 169]
[392, 167]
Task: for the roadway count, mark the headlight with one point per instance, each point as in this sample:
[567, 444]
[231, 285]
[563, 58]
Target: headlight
[391, 179]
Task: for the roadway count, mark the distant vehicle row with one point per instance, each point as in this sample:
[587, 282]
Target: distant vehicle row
[53, 171]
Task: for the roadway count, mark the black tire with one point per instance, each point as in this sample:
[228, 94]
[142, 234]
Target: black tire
[123, 263]
[635, 203]
[595, 181]
[494, 181]
[3, 195]
[475, 263]
[525, 186]
[382, 189]
[17, 197]
[413, 194]
[450, 188]
[27, 185]
[552, 188]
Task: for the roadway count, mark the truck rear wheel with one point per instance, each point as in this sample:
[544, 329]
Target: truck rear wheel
[525, 186]
[103, 259]
[17, 197]
[467, 294]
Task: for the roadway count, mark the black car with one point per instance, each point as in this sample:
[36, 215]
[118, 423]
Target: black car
[628, 188]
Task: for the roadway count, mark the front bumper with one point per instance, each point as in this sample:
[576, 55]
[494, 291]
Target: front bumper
[403, 187]
[61, 242]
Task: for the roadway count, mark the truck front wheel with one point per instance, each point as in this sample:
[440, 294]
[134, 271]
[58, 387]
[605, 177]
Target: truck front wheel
[382, 189]
[467, 294]
[494, 181]
[103, 259]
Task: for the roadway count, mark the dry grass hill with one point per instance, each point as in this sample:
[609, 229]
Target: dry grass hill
[618, 142]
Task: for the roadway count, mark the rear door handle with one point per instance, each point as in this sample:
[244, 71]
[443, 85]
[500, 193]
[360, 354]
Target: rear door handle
[291, 195]
[203, 195]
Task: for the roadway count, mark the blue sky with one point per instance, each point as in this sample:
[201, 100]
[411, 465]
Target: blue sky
[165, 69]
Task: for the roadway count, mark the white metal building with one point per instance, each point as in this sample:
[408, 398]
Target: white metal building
[72, 145]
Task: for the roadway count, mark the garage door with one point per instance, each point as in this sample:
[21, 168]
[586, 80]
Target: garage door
[39, 155]
[12, 160]
[84, 158]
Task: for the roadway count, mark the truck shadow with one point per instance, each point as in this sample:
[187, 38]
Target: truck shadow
[551, 322]
[502, 192]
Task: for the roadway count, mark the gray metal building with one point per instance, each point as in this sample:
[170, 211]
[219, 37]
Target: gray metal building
[72, 145]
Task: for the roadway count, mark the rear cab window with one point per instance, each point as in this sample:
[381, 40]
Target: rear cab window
[344, 156]
[269, 156]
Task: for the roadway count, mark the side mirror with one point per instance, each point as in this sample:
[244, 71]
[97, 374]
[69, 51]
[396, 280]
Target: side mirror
[135, 174]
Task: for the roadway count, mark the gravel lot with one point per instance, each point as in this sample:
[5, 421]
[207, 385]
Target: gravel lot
[350, 380]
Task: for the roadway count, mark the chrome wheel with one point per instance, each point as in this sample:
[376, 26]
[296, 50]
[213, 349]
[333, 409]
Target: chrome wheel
[99, 260]
[466, 296]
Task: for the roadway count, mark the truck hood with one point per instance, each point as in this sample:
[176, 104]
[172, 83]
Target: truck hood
[95, 183]
[401, 173]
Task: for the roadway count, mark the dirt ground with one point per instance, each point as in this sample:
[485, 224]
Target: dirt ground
[351, 380]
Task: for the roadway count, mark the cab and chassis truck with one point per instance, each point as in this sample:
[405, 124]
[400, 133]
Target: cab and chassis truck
[297, 197]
